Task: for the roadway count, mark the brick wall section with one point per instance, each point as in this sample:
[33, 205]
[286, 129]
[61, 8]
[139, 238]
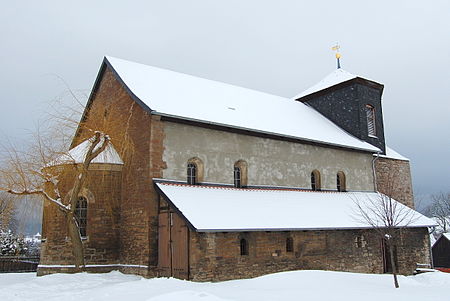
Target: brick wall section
[138, 139]
[103, 192]
[413, 248]
[137, 136]
[394, 179]
[216, 256]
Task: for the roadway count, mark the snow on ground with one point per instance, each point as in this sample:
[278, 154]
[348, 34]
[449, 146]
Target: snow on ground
[298, 285]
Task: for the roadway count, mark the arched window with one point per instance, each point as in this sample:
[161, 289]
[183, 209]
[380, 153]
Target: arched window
[191, 173]
[244, 246]
[240, 174]
[81, 215]
[237, 177]
[194, 171]
[370, 115]
[289, 244]
[340, 181]
[315, 180]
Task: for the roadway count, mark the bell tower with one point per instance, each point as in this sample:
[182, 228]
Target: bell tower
[351, 102]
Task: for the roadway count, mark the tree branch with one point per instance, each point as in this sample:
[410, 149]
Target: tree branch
[41, 193]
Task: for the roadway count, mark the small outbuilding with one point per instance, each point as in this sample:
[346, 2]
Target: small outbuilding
[441, 251]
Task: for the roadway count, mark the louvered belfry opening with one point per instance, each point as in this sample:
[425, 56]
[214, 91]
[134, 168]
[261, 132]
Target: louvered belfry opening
[370, 115]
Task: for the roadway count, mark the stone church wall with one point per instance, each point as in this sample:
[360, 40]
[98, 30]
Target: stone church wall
[216, 256]
[103, 192]
[127, 236]
[394, 179]
[270, 162]
[137, 136]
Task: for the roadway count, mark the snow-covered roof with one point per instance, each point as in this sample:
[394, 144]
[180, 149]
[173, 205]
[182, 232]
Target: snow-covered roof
[188, 97]
[433, 240]
[392, 154]
[78, 154]
[212, 208]
[336, 77]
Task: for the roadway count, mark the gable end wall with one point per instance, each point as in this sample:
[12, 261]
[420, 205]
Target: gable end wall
[137, 136]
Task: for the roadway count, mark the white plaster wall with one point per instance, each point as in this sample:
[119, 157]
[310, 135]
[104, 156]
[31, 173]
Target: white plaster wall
[270, 162]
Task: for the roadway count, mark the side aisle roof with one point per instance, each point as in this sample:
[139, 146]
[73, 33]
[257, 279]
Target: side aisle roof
[217, 209]
[181, 96]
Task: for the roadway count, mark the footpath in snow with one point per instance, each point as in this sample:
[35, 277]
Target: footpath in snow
[298, 285]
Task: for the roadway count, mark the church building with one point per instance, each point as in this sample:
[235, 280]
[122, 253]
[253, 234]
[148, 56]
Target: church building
[208, 181]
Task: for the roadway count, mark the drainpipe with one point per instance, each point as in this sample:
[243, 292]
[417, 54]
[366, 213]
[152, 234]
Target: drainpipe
[374, 171]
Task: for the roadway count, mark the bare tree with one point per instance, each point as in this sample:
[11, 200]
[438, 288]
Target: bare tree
[30, 173]
[440, 210]
[387, 217]
[27, 170]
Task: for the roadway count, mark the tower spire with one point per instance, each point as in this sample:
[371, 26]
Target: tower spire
[338, 55]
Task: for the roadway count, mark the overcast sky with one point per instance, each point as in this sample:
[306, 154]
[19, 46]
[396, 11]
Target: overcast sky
[280, 47]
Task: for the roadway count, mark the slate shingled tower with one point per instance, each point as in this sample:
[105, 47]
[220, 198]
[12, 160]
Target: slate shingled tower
[345, 99]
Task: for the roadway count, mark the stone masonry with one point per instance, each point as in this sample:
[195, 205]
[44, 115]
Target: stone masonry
[103, 192]
[130, 240]
[394, 179]
[216, 256]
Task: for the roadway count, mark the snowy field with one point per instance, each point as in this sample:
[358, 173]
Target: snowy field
[299, 285]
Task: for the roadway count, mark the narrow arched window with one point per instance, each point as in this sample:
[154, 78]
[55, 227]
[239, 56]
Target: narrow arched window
[240, 174]
[289, 244]
[244, 246]
[191, 174]
[194, 171]
[340, 181]
[81, 215]
[315, 180]
[237, 177]
[370, 116]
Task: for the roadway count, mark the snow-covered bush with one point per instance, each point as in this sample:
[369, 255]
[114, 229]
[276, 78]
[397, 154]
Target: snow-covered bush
[11, 244]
